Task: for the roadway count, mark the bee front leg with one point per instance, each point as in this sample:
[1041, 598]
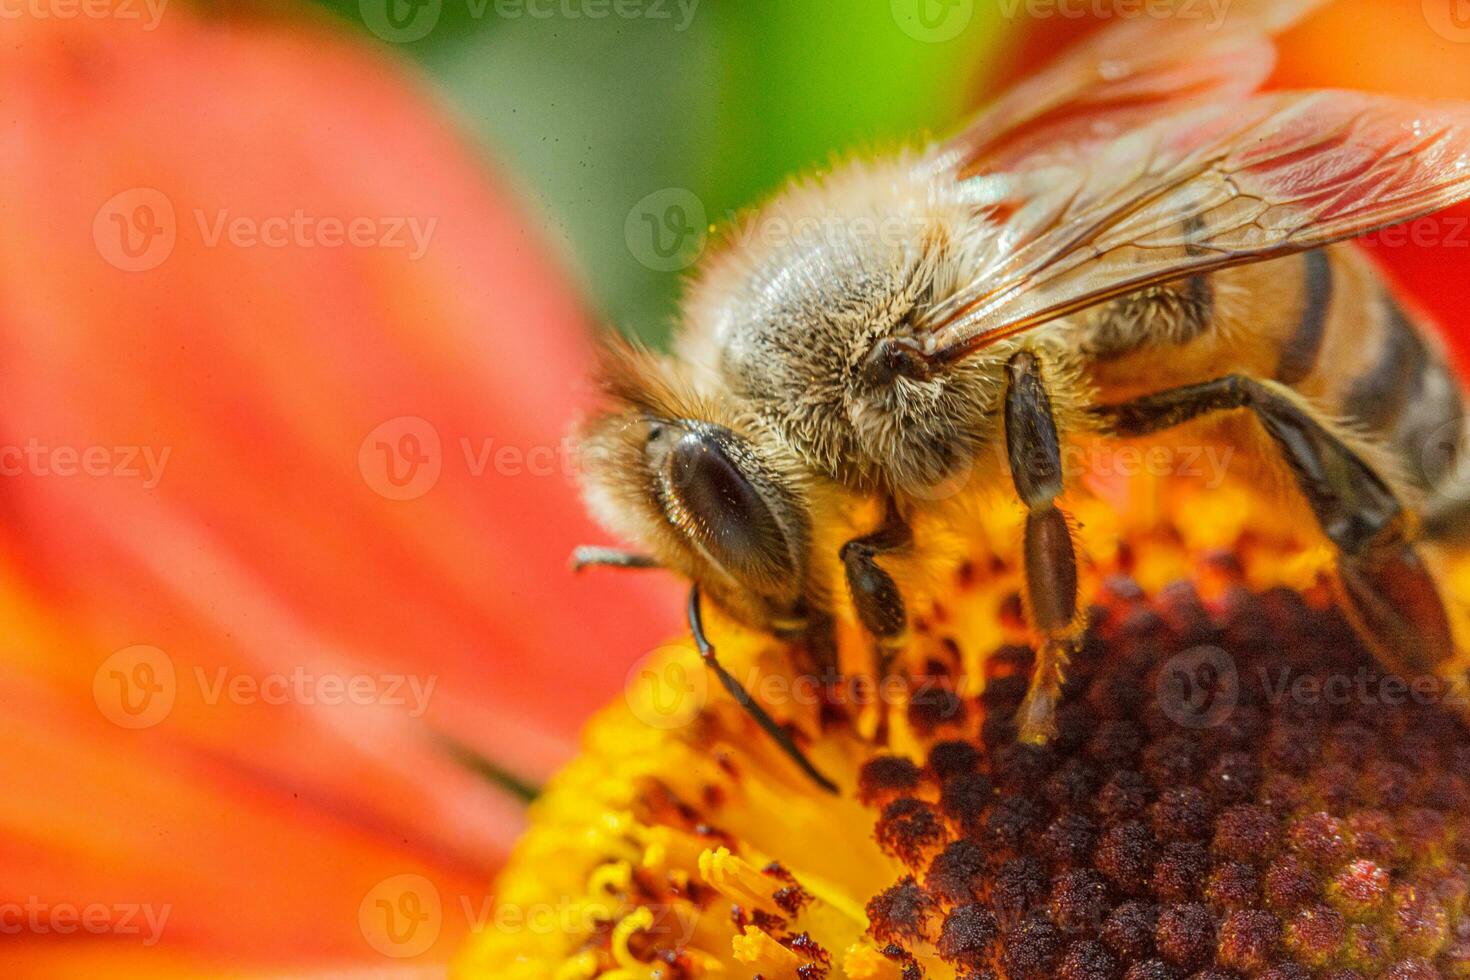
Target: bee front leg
[1385, 585]
[1034, 450]
[875, 595]
[592, 556]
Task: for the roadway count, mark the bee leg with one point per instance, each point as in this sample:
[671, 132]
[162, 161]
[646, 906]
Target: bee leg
[742, 697]
[875, 595]
[1034, 450]
[588, 556]
[817, 638]
[1385, 585]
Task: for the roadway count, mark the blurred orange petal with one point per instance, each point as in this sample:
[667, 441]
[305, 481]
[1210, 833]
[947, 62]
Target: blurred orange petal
[286, 495]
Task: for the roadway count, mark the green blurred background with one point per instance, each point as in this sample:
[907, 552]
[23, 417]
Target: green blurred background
[598, 109]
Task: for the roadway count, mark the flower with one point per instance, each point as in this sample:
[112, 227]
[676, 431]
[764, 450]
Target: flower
[218, 437]
[205, 393]
[1236, 789]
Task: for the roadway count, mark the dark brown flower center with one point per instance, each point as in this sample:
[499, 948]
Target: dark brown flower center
[1235, 791]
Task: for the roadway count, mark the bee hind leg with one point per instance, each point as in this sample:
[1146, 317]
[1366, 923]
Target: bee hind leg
[1034, 451]
[1386, 587]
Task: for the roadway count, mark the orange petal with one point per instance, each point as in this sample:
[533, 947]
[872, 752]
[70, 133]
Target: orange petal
[245, 265]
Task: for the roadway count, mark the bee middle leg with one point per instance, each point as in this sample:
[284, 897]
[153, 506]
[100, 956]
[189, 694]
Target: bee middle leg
[1034, 451]
[1385, 585]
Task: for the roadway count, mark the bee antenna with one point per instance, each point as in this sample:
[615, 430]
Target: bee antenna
[743, 698]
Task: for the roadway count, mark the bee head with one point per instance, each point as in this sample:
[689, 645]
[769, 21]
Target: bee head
[679, 475]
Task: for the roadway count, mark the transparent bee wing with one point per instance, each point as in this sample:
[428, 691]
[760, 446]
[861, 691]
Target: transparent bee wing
[1136, 69]
[1208, 188]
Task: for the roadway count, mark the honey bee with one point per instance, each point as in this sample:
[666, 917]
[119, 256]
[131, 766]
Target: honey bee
[1133, 239]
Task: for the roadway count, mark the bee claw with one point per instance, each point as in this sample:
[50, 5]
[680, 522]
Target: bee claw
[1036, 718]
[1393, 596]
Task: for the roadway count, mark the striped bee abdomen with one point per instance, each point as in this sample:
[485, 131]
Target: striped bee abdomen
[1355, 348]
[1303, 344]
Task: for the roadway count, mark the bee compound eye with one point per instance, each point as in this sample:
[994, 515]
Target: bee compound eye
[722, 507]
